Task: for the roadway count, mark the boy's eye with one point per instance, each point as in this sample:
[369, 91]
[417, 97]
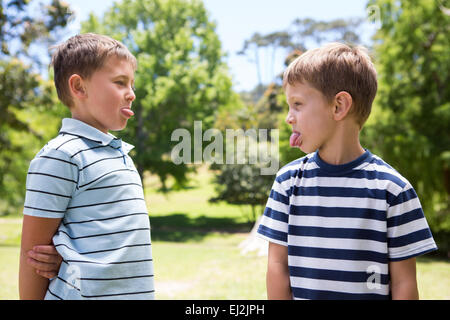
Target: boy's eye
[120, 83]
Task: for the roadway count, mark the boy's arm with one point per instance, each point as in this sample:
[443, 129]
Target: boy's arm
[278, 284]
[35, 230]
[403, 279]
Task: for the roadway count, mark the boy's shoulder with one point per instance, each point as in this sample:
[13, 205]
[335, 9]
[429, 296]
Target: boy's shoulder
[52, 161]
[373, 168]
[60, 143]
[293, 168]
[382, 170]
[64, 146]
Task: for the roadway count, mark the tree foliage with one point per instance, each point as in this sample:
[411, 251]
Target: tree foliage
[23, 92]
[22, 26]
[410, 121]
[242, 184]
[180, 78]
[301, 33]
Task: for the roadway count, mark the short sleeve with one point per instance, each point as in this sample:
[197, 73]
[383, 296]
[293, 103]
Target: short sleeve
[274, 222]
[408, 232]
[51, 181]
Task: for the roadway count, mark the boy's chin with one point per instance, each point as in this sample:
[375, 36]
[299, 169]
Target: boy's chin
[120, 126]
[305, 149]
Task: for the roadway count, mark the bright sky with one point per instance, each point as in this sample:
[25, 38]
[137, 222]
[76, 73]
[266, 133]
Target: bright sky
[238, 20]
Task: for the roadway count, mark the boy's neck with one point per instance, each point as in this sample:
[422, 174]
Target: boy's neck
[343, 147]
[79, 113]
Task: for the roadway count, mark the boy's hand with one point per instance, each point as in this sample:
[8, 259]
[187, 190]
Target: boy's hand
[45, 259]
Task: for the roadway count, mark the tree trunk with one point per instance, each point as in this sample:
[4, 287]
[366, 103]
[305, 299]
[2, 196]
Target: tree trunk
[140, 141]
[258, 68]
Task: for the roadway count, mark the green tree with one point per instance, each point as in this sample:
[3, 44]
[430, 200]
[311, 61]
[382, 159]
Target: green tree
[245, 182]
[24, 94]
[410, 122]
[181, 75]
[271, 41]
[295, 38]
[317, 31]
[242, 184]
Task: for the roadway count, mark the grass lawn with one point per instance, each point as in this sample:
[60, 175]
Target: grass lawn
[195, 250]
[210, 269]
[206, 267]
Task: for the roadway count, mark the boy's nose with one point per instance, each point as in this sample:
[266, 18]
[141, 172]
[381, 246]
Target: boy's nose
[289, 118]
[130, 95]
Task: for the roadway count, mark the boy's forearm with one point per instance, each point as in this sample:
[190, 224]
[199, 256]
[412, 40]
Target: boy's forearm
[403, 280]
[277, 279]
[278, 284]
[35, 231]
[31, 285]
[405, 291]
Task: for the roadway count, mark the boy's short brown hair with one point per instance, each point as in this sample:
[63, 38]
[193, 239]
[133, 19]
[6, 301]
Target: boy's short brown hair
[337, 67]
[84, 54]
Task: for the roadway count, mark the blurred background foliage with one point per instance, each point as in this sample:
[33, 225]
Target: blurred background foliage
[182, 77]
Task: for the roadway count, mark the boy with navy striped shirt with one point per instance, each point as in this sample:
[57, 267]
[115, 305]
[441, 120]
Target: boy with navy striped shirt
[84, 195]
[341, 222]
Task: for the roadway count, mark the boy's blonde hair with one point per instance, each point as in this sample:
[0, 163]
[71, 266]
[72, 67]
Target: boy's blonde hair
[337, 67]
[84, 54]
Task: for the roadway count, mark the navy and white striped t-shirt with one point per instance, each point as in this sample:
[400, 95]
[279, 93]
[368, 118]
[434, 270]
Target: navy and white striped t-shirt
[87, 178]
[342, 224]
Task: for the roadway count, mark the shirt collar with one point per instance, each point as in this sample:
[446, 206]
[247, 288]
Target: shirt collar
[79, 128]
[342, 168]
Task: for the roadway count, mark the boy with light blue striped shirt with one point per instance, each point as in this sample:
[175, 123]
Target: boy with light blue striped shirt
[84, 194]
[341, 222]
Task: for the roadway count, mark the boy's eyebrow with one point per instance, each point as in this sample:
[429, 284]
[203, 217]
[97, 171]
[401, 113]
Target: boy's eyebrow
[124, 76]
[294, 97]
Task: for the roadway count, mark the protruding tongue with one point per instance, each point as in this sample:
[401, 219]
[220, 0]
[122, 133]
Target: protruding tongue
[293, 140]
[127, 112]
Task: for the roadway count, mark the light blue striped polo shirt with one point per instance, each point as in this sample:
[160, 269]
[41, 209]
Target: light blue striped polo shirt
[342, 225]
[86, 177]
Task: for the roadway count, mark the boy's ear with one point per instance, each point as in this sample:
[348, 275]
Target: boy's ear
[343, 102]
[76, 86]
